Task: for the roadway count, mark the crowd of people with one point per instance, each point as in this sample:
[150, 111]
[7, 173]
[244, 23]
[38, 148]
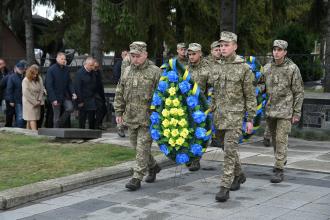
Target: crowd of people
[29, 97]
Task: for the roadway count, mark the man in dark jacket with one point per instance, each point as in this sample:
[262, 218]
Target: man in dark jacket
[86, 88]
[3, 73]
[60, 91]
[14, 92]
[101, 108]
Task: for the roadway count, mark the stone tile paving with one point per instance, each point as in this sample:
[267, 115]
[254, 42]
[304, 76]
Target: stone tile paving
[180, 194]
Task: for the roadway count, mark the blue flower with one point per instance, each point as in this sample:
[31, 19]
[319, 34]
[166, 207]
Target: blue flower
[172, 76]
[184, 86]
[252, 66]
[192, 101]
[199, 116]
[200, 133]
[257, 91]
[162, 86]
[154, 117]
[164, 149]
[257, 75]
[155, 134]
[156, 100]
[182, 158]
[196, 149]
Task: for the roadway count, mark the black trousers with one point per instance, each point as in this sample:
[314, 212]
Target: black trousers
[83, 115]
[101, 111]
[10, 113]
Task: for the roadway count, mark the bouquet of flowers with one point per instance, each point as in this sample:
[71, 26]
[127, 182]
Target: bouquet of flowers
[181, 119]
[261, 96]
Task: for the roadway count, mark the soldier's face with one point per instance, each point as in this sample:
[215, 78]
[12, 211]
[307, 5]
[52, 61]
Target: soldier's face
[194, 57]
[181, 52]
[227, 48]
[216, 52]
[139, 59]
[279, 53]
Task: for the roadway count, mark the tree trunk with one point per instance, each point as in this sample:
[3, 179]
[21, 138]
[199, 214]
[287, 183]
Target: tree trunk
[327, 54]
[28, 32]
[179, 32]
[96, 35]
[228, 15]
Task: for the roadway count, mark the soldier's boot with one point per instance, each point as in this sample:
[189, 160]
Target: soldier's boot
[133, 184]
[278, 176]
[152, 174]
[267, 142]
[121, 132]
[274, 168]
[222, 195]
[238, 180]
[195, 165]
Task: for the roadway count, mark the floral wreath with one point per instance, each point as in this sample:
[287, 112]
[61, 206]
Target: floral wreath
[181, 122]
[261, 96]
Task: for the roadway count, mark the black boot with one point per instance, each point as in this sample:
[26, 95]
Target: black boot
[222, 195]
[267, 142]
[133, 184]
[238, 180]
[194, 166]
[121, 132]
[152, 174]
[278, 176]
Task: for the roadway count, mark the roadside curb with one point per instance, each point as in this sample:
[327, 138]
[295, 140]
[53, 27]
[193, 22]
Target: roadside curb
[20, 195]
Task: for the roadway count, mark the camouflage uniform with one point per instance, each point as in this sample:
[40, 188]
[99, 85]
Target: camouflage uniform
[210, 58]
[286, 93]
[132, 101]
[199, 72]
[233, 95]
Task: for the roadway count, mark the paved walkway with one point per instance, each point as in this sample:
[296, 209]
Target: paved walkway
[180, 194]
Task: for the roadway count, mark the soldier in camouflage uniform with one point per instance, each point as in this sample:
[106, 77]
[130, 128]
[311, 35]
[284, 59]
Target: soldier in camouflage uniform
[132, 107]
[181, 49]
[285, 88]
[199, 69]
[233, 95]
[215, 54]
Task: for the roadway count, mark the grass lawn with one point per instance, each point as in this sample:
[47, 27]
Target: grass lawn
[26, 159]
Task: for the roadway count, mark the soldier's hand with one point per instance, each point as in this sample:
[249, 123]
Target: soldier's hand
[55, 103]
[12, 104]
[74, 96]
[249, 127]
[295, 119]
[119, 120]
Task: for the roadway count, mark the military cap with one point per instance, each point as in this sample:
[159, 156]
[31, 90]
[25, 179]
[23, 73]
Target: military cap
[215, 44]
[22, 64]
[195, 47]
[138, 47]
[228, 36]
[181, 45]
[281, 44]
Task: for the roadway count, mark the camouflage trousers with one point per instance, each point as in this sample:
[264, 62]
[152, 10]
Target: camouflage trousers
[267, 134]
[279, 129]
[232, 163]
[141, 140]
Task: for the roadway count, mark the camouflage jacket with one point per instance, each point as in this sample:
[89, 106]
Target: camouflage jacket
[200, 73]
[285, 88]
[233, 94]
[134, 93]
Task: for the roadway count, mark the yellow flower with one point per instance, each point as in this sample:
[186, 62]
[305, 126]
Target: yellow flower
[180, 141]
[171, 142]
[184, 133]
[172, 91]
[174, 132]
[168, 102]
[167, 132]
[176, 102]
[174, 121]
[174, 111]
[180, 112]
[183, 122]
[165, 113]
[165, 123]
